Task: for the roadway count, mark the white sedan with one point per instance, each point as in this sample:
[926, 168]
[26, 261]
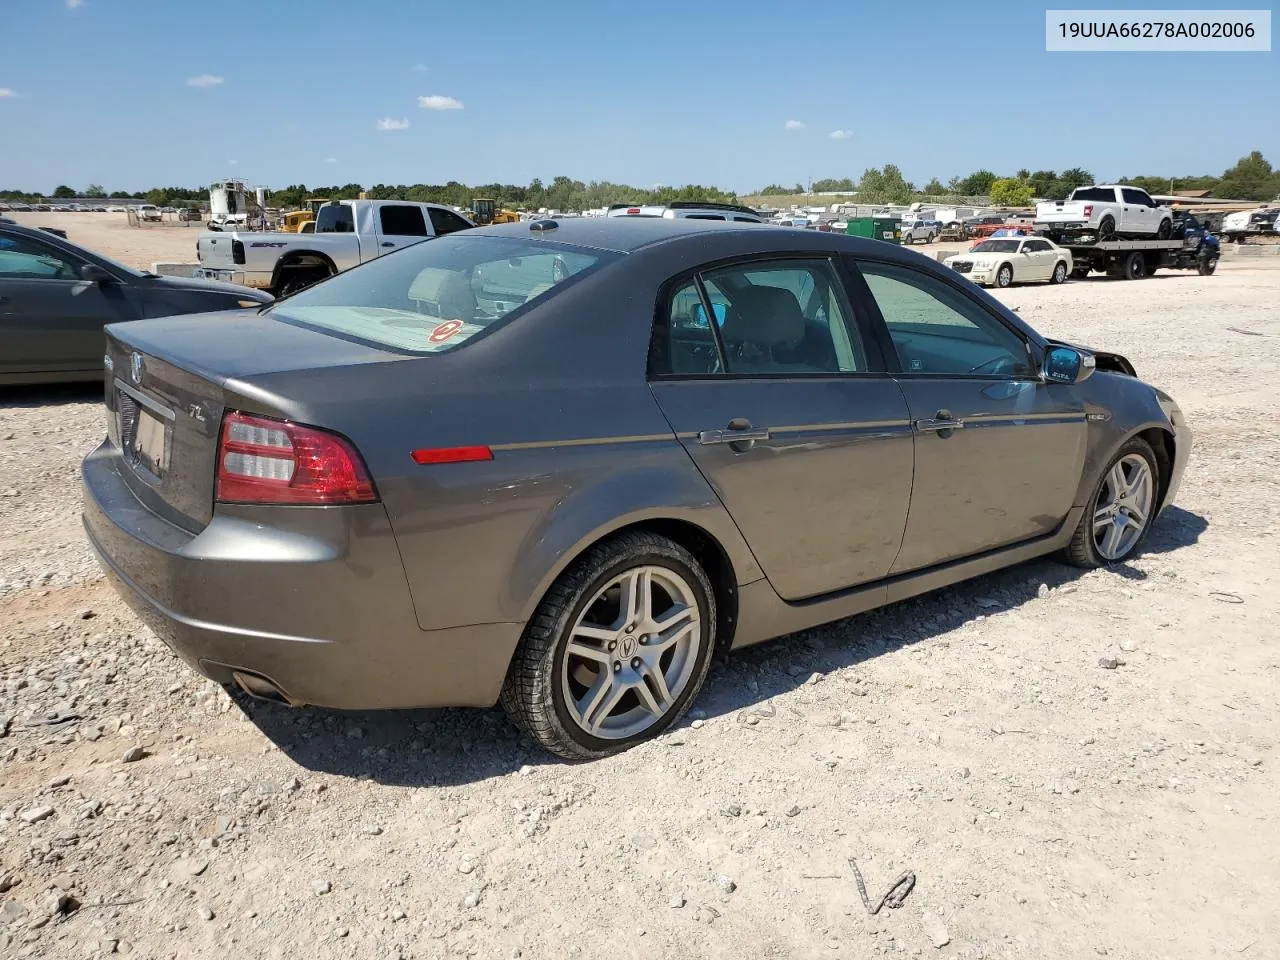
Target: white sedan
[1002, 261]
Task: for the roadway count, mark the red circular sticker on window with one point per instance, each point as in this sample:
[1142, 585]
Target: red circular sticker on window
[444, 331]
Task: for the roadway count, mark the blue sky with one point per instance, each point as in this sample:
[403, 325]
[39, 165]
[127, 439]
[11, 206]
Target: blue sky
[138, 93]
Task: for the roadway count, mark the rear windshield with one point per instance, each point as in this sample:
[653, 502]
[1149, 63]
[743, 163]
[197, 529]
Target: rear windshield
[436, 295]
[1096, 194]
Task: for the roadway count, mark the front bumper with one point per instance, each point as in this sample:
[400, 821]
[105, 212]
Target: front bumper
[314, 599]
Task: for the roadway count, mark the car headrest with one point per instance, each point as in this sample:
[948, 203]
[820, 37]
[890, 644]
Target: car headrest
[764, 315]
[448, 290]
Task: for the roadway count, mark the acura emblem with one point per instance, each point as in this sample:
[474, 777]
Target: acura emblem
[135, 367]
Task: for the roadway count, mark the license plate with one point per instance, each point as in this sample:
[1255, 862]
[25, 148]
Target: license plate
[213, 274]
[149, 442]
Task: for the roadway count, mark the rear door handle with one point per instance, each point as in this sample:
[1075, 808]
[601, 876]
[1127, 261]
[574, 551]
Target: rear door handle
[751, 434]
[387, 243]
[941, 423]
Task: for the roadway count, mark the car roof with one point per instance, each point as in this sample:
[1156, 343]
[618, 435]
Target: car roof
[619, 234]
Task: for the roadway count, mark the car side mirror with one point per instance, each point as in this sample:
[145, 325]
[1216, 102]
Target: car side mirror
[94, 274]
[1068, 365]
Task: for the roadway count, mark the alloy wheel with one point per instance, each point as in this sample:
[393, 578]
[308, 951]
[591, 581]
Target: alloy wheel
[1123, 507]
[632, 652]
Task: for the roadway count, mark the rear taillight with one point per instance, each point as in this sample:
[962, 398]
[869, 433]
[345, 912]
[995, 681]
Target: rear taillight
[1088, 209]
[261, 460]
[237, 251]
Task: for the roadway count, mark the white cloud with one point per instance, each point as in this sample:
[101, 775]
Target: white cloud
[437, 102]
[72, 4]
[793, 125]
[7, 92]
[419, 68]
[390, 123]
[331, 160]
[205, 80]
[233, 162]
[841, 134]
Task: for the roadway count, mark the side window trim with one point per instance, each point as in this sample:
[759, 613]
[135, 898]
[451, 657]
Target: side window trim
[893, 363]
[709, 312]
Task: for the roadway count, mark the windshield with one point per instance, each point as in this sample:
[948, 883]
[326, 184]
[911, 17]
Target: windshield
[996, 246]
[438, 294]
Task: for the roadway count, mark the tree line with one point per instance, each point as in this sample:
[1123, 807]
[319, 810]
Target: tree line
[1250, 178]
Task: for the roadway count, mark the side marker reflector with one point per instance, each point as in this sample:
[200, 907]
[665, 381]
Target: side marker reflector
[451, 455]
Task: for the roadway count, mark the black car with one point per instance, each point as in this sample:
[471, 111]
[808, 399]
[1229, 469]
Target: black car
[55, 298]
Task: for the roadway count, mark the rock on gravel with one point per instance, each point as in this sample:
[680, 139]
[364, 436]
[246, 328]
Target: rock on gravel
[934, 929]
[133, 754]
[36, 814]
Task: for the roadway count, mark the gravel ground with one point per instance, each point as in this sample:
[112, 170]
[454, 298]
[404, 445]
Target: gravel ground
[1049, 807]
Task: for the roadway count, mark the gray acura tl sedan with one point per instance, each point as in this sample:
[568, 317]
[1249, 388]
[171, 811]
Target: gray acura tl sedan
[558, 464]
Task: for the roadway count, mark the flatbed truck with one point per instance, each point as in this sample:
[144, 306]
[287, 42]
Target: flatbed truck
[1192, 247]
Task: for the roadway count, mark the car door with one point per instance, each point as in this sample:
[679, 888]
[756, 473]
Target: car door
[1041, 256]
[780, 399]
[999, 452]
[50, 320]
[400, 225]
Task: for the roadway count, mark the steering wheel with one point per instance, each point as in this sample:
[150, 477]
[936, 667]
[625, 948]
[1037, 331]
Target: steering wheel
[995, 366]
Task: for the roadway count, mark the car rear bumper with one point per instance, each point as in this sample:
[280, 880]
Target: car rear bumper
[314, 600]
[1181, 454]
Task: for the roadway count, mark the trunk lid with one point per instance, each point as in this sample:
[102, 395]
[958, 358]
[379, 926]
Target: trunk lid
[170, 380]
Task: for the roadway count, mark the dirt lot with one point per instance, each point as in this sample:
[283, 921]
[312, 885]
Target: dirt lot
[110, 233]
[1050, 808]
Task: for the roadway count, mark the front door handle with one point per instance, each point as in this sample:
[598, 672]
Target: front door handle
[387, 243]
[740, 434]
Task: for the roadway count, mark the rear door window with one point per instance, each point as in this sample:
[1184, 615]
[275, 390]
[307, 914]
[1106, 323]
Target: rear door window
[402, 221]
[446, 221]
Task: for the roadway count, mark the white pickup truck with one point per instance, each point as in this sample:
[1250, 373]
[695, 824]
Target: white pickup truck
[347, 233]
[1110, 211]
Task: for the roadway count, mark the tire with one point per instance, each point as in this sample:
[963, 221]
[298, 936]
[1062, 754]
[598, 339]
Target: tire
[540, 693]
[1166, 229]
[1206, 266]
[1107, 228]
[1004, 276]
[1080, 273]
[1135, 266]
[1084, 550]
[1059, 272]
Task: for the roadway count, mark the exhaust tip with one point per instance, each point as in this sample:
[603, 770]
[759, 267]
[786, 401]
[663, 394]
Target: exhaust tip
[259, 687]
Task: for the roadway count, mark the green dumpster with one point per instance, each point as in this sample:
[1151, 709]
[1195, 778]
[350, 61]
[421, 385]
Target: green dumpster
[888, 229]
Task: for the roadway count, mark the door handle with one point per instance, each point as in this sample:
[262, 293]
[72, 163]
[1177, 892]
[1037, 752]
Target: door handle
[942, 424]
[387, 243]
[739, 431]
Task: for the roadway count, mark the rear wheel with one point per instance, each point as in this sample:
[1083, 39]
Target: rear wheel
[1107, 228]
[1166, 229]
[1059, 273]
[1004, 276]
[1206, 266]
[616, 651]
[1135, 266]
[1118, 519]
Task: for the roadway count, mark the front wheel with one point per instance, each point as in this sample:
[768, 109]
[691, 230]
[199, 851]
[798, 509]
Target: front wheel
[1121, 510]
[1059, 273]
[1004, 276]
[616, 651]
[1206, 266]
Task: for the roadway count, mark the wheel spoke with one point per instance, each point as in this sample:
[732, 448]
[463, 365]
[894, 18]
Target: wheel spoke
[637, 597]
[1102, 517]
[592, 632]
[1137, 514]
[674, 617]
[600, 701]
[1116, 480]
[588, 651]
[656, 698]
[1111, 540]
[670, 638]
[1137, 485]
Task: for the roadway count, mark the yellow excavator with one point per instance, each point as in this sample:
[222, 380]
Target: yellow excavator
[296, 221]
[484, 211]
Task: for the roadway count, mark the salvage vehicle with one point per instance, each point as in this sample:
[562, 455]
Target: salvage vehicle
[56, 296]
[440, 479]
[1192, 247]
[926, 230]
[346, 232]
[1004, 261]
[149, 212]
[1110, 211]
[1236, 227]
